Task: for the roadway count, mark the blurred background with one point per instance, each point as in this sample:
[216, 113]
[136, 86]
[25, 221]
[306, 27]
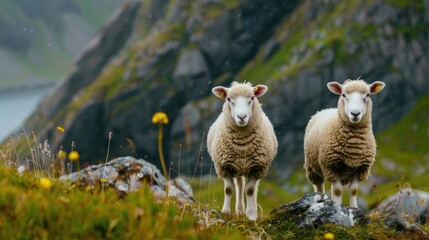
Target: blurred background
[106, 66]
[38, 42]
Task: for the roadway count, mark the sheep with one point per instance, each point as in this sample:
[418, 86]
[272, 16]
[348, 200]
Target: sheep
[339, 145]
[241, 143]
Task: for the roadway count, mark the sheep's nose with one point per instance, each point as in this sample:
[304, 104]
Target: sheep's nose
[355, 114]
[242, 116]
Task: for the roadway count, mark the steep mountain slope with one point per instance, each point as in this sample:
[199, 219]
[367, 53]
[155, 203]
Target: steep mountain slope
[183, 48]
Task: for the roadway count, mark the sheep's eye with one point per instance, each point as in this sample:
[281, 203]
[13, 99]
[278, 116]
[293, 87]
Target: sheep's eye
[229, 99]
[251, 99]
[343, 95]
[367, 95]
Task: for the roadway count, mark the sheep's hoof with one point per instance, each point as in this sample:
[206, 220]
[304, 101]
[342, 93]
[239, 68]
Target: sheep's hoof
[251, 216]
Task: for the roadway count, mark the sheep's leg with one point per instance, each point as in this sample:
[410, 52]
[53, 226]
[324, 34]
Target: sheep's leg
[239, 191]
[251, 196]
[353, 190]
[316, 180]
[319, 188]
[228, 189]
[337, 190]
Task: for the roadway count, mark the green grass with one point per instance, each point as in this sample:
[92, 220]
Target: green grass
[68, 212]
[270, 195]
[62, 211]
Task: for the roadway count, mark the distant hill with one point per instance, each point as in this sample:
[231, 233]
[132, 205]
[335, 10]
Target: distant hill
[39, 38]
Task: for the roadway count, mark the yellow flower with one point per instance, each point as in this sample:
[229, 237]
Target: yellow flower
[103, 180]
[45, 183]
[160, 117]
[60, 129]
[329, 236]
[73, 156]
[61, 154]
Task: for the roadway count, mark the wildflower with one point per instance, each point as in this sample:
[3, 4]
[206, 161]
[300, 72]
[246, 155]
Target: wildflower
[45, 183]
[73, 156]
[329, 236]
[160, 117]
[61, 154]
[60, 129]
[88, 188]
[103, 180]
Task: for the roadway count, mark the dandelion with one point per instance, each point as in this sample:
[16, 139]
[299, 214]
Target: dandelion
[329, 236]
[161, 118]
[73, 156]
[103, 180]
[45, 183]
[61, 154]
[60, 129]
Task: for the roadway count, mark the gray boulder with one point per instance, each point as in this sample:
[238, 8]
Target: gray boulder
[404, 210]
[315, 209]
[127, 174]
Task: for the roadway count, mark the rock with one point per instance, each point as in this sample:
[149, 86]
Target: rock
[315, 209]
[192, 73]
[127, 174]
[405, 207]
[230, 40]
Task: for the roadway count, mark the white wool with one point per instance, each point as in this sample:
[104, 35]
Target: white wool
[241, 143]
[339, 144]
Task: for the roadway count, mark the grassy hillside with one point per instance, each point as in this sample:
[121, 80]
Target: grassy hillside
[38, 208]
[32, 209]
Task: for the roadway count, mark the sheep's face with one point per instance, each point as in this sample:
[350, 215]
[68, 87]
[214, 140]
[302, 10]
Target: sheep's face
[355, 97]
[240, 99]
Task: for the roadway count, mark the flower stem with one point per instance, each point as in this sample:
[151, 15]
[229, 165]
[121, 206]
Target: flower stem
[161, 157]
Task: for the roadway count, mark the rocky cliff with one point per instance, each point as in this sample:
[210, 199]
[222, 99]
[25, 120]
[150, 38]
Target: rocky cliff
[181, 49]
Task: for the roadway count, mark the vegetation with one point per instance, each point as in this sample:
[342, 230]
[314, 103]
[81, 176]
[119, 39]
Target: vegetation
[42, 208]
[33, 210]
[36, 205]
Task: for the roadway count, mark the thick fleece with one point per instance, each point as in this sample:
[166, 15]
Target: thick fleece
[242, 151]
[333, 145]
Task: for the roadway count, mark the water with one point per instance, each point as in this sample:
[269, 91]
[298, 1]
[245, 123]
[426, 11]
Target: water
[16, 106]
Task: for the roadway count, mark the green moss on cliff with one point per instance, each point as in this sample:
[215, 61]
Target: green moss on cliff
[417, 4]
[303, 40]
[216, 9]
[402, 150]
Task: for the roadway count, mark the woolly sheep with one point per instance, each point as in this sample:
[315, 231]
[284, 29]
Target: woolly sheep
[241, 143]
[339, 144]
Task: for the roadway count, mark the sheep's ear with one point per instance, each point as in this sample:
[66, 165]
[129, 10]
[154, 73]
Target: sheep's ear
[376, 87]
[335, 87]
[260, 90]
[220, 92]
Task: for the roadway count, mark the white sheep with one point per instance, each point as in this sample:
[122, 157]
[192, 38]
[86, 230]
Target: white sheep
[339, 144]
[241, 143]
